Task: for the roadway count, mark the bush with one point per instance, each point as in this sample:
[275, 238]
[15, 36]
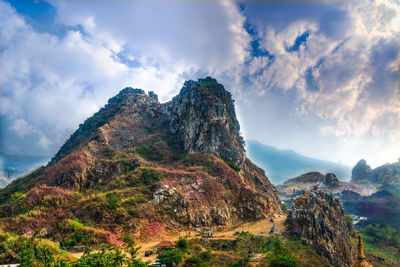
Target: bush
[182, 244]
[149, 152]
[113, 201]
[171, 257]
[133, 212]
[133, 201]
[349, 222]
[281, 256]
[142, 199]
[283, 261]
[150, 176]
[234, 166]
[78, 237]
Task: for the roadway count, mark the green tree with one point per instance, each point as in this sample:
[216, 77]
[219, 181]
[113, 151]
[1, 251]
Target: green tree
[182, 244]
[27, 253]
[171, 257]
[281, 260]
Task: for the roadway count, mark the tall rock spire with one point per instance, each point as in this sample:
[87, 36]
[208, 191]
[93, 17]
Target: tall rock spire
[360, 261]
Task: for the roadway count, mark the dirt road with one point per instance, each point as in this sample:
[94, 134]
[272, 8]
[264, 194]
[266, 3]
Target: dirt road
[261, 227]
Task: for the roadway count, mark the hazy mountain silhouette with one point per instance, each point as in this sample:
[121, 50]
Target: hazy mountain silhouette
[280, 165]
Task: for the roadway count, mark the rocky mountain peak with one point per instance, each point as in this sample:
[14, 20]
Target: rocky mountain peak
[385, 174]
[360, 171]
[318, 217]
[203, 116]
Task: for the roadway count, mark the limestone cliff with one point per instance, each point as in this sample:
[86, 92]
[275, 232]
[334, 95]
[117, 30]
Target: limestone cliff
[203, 116]
[318, 217]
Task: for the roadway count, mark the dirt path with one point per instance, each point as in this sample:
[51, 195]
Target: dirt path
[261, 227]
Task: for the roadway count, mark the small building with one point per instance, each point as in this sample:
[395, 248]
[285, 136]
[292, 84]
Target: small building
[165, 245]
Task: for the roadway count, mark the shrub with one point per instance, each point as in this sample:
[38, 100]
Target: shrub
[16, 196]
[78, 237]
[144, 149]
[133, 212]
[171, 257]
[113, 201]
[234, 166]
[133, 201]
[349, 222]
[150, 176]
[284, 208]
[281, 256]
[185, 156]
[142, 199]
[182, 244]
[148, 152]
[284, 261]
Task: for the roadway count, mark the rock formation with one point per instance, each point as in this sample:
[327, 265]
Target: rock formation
[385, 174]
[315, 178]
[203, 116]
[361, 171]
[318, 217]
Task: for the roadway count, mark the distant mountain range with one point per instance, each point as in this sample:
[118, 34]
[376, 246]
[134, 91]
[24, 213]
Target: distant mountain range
[280, 165]
[14, 166]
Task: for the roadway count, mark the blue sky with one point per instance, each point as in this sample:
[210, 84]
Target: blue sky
[321, 78]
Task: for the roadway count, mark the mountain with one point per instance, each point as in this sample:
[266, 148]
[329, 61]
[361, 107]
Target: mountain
[292, 187]
[14, 166]
[144, 168]
[385, 174]
[281, 165]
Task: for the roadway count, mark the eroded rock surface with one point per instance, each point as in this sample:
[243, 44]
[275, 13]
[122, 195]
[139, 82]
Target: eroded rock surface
[318, 217]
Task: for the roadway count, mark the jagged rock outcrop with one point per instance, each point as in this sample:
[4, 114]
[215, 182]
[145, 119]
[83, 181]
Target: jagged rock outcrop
[203, 116]
[318, 217]
[361, 171]
[385, 174]
[142, 166]
[315, 178]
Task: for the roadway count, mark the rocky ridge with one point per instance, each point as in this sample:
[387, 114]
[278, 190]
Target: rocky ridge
[318, 218]
[315, 178]
[385, 174]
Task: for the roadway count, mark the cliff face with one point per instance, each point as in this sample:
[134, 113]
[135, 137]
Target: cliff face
[144, 167]
[385, 174]
[318, 217]
[203, 116]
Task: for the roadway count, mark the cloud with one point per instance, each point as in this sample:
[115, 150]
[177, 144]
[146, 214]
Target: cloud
[319, 78]
[338, 63]
[51, 81]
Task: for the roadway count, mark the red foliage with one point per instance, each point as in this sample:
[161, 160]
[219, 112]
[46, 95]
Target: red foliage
[36, 194]
[72, 163]
[154, 227]
[43, 220]
[110, 237]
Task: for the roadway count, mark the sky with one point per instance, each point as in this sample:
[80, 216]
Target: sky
[320, 78]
